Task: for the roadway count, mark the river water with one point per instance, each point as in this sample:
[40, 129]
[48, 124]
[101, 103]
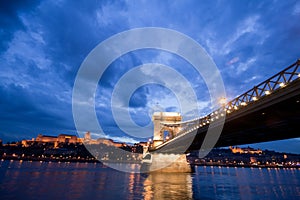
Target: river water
[36, 180]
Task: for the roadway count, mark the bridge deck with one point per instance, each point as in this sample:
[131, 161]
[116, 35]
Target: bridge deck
[272, 117]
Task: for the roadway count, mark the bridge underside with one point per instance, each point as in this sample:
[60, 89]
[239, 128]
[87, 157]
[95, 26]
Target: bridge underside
[274, 117]
[277, 122]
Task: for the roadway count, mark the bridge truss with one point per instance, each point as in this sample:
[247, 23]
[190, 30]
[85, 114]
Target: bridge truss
[270, 86]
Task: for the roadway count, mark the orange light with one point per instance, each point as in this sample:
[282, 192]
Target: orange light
[222, 101]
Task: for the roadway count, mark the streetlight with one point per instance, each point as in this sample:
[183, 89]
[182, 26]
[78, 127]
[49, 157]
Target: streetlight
[267, 92]
[223, 101]
[282, 85]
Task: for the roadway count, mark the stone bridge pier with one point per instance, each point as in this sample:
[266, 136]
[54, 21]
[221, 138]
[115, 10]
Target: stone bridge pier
[164, 162]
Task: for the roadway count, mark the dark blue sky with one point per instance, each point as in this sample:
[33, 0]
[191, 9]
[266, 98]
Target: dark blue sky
[44, 43]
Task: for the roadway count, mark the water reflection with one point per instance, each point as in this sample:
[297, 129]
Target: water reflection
[246, 183]
[35, 180]
[168, 186]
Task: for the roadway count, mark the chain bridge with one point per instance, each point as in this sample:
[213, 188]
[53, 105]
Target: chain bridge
[269, 111]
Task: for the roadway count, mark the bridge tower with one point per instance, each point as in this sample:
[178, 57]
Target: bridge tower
[166, 117]
[164, 162]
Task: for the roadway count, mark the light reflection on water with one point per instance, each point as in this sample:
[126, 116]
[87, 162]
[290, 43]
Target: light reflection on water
[168, 186]
[35, 180]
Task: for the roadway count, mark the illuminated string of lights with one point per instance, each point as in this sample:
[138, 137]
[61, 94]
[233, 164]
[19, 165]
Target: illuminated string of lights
[266, 88]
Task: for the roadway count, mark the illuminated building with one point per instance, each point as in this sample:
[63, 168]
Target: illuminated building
[62, 138]
[107, 142]
[46, 138]
[253, 160]
[119, 144]
[80, 140]
[71, 139]
[27, 143]
[87, 136]
[247, 150]
[65, 138]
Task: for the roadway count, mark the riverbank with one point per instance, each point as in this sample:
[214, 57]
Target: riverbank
[11, 158]
[249, 166]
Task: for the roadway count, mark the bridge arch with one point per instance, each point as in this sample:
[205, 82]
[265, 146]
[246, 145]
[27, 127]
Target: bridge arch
[164, 117]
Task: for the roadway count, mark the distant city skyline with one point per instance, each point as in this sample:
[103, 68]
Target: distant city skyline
[44, 43]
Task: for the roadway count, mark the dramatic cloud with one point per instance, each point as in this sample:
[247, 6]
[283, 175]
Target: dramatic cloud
[43, 44]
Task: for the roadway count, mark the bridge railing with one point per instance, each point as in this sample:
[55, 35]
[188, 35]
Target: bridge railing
[276, 82]
[269, 86]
